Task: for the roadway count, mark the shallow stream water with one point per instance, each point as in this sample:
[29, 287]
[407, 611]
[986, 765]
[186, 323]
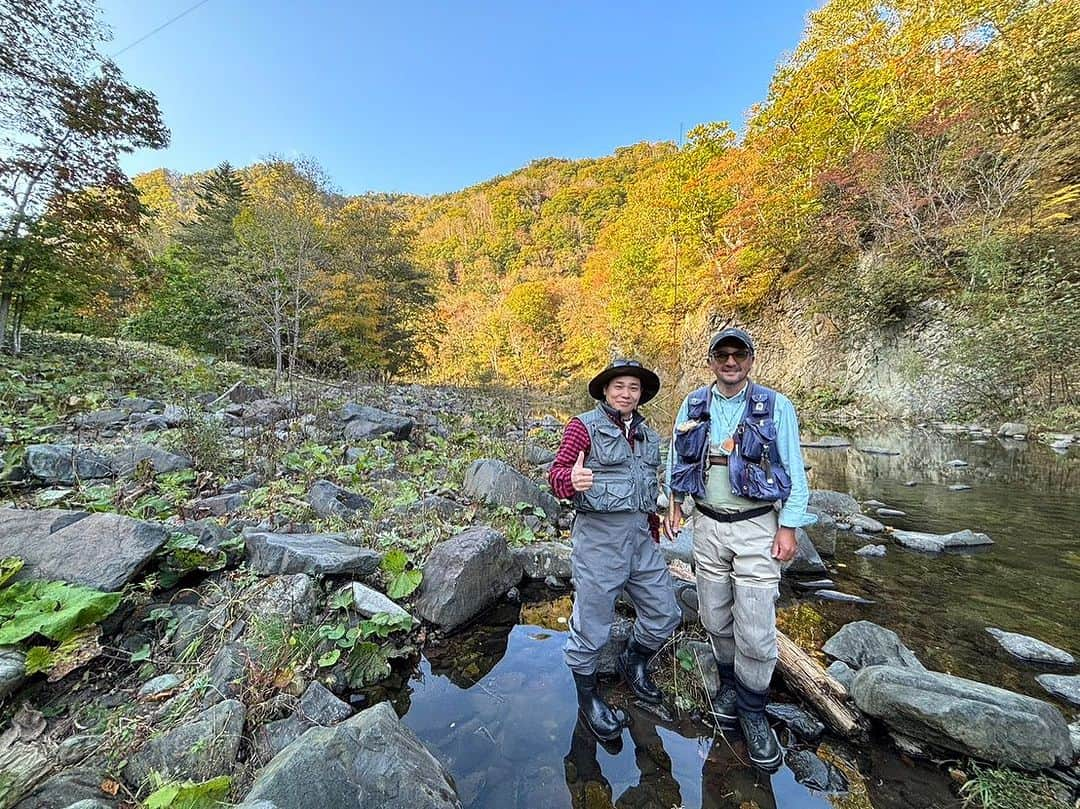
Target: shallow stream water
[496, 702]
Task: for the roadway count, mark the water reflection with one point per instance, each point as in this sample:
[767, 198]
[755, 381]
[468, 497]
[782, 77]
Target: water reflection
[1024, 495]
[512, 737]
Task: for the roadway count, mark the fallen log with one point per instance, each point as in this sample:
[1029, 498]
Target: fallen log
[806, 678]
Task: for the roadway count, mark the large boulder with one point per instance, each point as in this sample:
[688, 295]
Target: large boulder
[965, 716]
[62, 463]
[464, 574]
[864, 643]
[936, 543]
[1013, 429]
[199, 749]
[363, 422]
[307, 553]
[498, 483]
[371, 759]
[104, 551]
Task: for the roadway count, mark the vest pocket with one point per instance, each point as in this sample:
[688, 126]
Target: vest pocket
[610, 495]
[609, 446]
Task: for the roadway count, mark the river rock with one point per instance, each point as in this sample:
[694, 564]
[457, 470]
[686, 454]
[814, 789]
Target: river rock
[815, 774]
[864, 643]
[220, 505]
[62, 463]
[314, 554]
[464, 574]
[103, 551]
[328, 500]
[814, 584]
[127, 461]
[861, 522]
[363, 422]
[871, 550]
[542, 559]
[442, 508]
[227, 675]
[621, 630]
[841, 672]
[806, 559]
[804, 724]
[12, 669]
[537, 455]
[1030, 649]
[159, 685]
[318, 707]
[290, 598]
[964, 716]
[101, 419]
[841, 598]
[956, 463]
[1065, 686]
[199, 749]
[1074, 736]
[498, 483]
[823, 532]
[138, 404]
[835, 503]
[936, 543]
[368, 602]
[890, 512]
[1013, 429]
[878, 450]
[66, 788]
[371, 759]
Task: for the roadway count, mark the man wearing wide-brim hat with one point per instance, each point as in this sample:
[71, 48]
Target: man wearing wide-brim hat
[607, 465]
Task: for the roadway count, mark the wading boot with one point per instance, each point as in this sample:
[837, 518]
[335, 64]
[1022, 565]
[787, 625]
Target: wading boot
[724, 701]
[762, 746]
[603, 720]
[633, 665]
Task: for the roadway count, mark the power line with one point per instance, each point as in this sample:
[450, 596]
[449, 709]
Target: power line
[161, 27]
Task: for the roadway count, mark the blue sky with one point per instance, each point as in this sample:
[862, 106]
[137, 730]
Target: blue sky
[431, 97]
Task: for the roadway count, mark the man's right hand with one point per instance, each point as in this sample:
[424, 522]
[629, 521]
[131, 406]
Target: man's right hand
[672, 523]
[581, 477]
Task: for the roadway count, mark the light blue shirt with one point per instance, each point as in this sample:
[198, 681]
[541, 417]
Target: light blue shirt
[725, 415]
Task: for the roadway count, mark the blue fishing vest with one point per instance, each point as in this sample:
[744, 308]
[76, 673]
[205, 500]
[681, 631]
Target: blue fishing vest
[624, 477]
[754, 466]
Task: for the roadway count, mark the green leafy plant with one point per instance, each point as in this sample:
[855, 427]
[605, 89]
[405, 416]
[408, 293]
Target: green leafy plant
[367, 664]
[189, 795]
[184, 554]
[53, 609]
[402, 577]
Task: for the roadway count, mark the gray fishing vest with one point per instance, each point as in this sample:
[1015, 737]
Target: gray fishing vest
[624, 478]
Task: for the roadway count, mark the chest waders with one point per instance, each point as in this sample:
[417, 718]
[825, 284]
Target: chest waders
[614, 551]
[736, 574]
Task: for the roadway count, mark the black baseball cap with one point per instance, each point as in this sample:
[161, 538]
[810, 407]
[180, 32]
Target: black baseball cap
[731, 334]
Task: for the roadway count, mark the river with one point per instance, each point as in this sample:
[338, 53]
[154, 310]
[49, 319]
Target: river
[496, 702]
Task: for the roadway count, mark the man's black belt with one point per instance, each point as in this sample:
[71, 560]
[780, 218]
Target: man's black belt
[737, 516]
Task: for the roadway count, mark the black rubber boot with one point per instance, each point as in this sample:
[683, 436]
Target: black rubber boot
[724, 701]
[633, 665]
[603, 720]
[761, 743]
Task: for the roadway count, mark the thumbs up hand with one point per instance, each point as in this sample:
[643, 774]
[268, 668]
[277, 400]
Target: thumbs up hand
[581, 477]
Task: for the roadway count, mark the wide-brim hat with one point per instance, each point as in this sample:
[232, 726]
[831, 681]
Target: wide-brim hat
[650, 382]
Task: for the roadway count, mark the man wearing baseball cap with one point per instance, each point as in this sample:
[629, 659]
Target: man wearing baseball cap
[735, 450]
[608, 465]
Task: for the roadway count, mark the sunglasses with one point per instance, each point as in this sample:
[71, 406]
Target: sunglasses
[625, 364]
[740, 355]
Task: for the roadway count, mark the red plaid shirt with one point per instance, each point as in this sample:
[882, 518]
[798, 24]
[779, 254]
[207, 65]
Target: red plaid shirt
[575, 440]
